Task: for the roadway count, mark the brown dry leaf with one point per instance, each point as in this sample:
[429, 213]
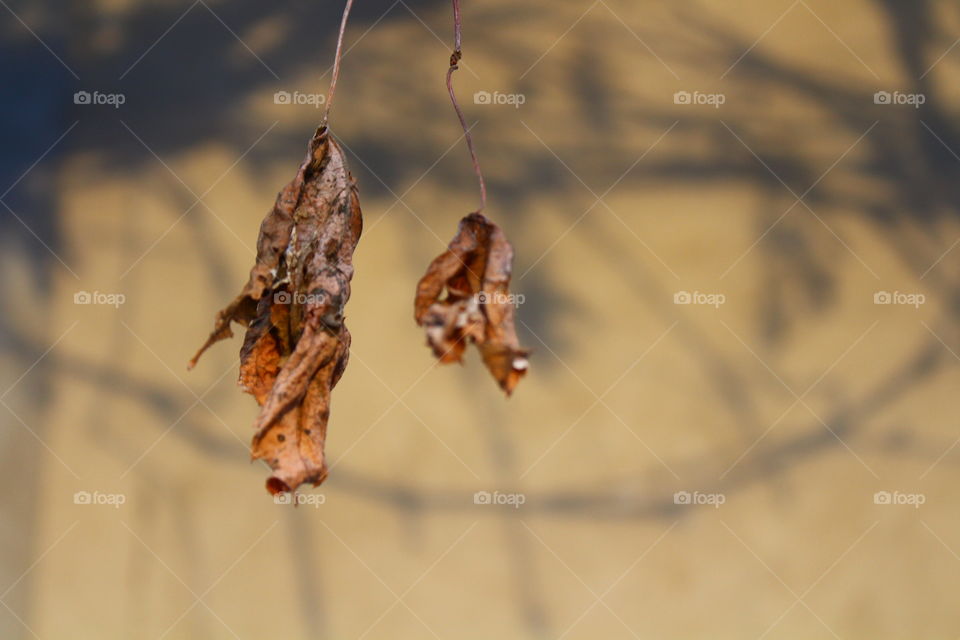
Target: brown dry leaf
[297, 345]
[474, 272]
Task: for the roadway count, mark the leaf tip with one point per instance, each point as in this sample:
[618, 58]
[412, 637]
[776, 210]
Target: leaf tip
[275, 486]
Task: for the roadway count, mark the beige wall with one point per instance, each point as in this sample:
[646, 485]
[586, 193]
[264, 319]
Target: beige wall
[796, 400]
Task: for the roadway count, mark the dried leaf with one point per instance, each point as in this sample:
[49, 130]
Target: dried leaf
[296, 345]
[474, 273]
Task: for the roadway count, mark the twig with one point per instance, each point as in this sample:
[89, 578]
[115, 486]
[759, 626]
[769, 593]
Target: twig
[336, 62]
[454, 60]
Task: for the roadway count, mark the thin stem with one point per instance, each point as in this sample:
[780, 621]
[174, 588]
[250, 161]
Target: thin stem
[336, 62]
[454, 59]
[457, 25]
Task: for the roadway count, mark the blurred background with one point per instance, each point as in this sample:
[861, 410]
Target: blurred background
[736, 228]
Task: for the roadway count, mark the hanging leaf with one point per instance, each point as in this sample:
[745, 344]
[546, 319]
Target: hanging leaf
[296, 345]
[474, 275]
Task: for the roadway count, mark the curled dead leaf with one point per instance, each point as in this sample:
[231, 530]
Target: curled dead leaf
[297, 345]
[474, 274]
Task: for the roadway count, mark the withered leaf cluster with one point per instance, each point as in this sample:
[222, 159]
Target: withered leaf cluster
[464, 297]
[297, 345]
